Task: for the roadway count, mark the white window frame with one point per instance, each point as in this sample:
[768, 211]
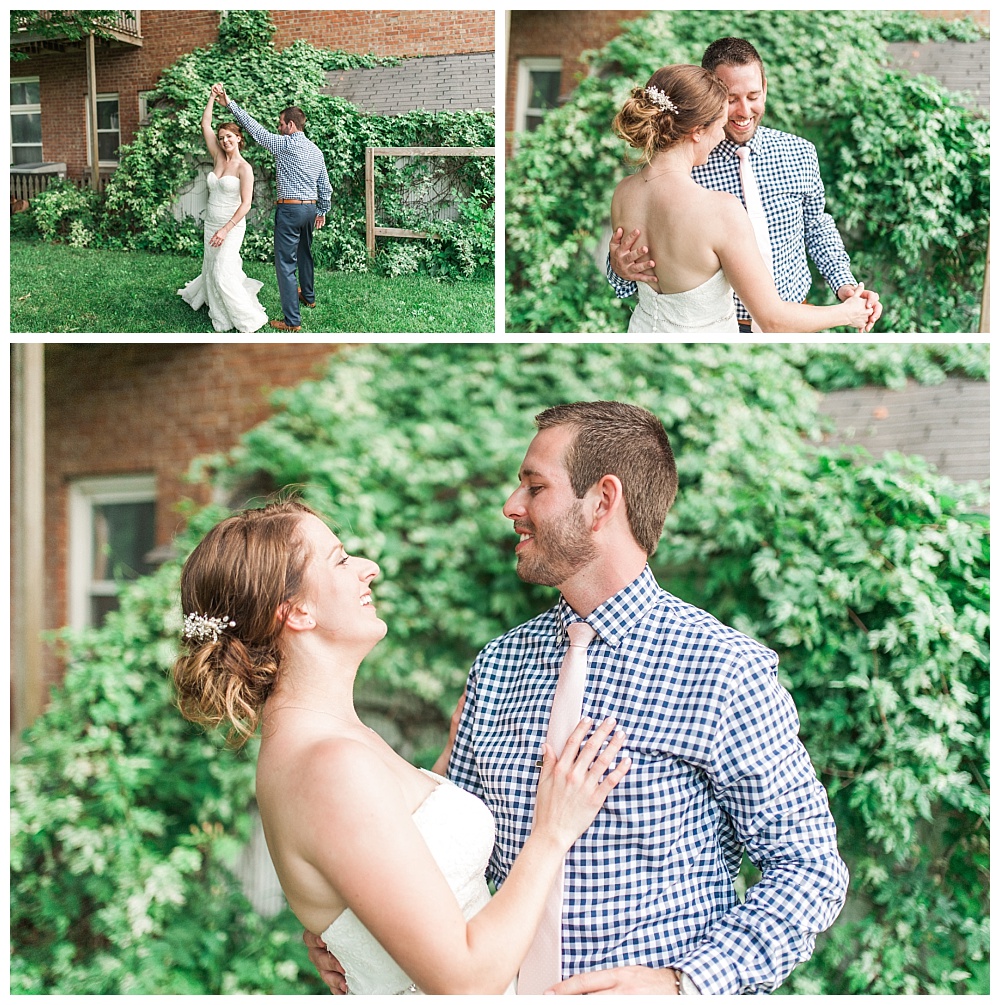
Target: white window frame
[84, 495]
[525, 67]
[144, 108]
[26, 110]
[86, 116]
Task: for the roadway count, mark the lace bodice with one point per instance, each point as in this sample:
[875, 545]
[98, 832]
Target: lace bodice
[708, 307]
[223, 192]
[459, 831]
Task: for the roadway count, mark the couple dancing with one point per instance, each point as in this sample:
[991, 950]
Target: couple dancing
[608, 765]
[723, 204]
[301, 207]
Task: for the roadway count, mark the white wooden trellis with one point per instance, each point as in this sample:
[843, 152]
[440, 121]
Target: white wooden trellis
[371, 231]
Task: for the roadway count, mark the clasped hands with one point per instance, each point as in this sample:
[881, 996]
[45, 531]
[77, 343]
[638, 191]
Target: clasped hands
[219, 92]
[615, 981]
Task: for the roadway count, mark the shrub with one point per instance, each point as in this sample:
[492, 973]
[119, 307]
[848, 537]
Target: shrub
[63, 208]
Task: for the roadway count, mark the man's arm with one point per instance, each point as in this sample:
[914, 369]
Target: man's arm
[324, 193]
[766, 784]
[825, 245]
[269, 141]
[625, 268]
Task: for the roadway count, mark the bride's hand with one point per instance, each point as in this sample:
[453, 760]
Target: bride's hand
[573, 787]
[217, 238]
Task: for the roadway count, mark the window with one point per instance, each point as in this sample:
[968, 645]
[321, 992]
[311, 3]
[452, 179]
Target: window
[145, 107]
[112, 531]
[537, 91]
[25, 121]
[108, 132]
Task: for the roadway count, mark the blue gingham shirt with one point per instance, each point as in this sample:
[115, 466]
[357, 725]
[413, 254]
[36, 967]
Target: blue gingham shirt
[300, 166]
[717, 765]
[791, 189]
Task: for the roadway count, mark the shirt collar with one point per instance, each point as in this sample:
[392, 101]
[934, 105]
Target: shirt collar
[727, 148]
[617, 616]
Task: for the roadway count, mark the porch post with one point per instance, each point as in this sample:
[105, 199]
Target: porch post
[95, 169]
[28, 531]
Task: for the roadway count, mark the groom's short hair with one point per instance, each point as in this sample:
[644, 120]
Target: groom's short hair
[295, 115]
[731, 52]
[613, 438]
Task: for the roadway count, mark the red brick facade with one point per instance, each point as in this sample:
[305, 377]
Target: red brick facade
[168, 34]
[150, 409]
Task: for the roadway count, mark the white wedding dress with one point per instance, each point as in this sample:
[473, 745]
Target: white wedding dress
[230, 294]
[706, 308]
[459, 830]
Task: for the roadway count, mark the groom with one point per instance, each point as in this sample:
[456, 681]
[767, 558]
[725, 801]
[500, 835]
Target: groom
[649, 903]
[787, 176]
[302, 204]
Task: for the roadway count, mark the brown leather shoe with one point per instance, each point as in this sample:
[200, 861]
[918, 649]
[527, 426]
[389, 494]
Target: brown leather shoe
[303, 301]
[283, 326]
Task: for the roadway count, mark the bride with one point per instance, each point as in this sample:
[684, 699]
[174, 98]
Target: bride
[702, 241]
[389, 862]
[231, 296]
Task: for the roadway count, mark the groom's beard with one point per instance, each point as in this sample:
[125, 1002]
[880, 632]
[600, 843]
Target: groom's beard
[557, 550]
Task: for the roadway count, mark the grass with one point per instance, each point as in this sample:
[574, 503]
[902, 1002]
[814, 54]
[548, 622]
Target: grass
[56, 288]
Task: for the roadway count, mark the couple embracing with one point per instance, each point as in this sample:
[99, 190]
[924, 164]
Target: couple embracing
[610, 762]
[726, 209]
[300, 208]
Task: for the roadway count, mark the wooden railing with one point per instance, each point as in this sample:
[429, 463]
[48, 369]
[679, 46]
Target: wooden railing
[25, 185]
[122, 22]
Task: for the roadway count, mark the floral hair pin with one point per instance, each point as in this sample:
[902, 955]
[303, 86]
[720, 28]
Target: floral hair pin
[660, 99]
[204, 629]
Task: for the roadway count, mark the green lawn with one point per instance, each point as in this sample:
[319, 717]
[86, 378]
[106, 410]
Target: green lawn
[55, 288]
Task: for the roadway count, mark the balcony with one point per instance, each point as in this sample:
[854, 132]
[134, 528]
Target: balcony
[119, 29]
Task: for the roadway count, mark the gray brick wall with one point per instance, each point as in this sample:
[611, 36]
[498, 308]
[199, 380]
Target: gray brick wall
[948, 424]
[963, 67]
[434, 83]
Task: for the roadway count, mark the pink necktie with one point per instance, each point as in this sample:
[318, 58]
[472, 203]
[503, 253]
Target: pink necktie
[542, 967]
[755, 210]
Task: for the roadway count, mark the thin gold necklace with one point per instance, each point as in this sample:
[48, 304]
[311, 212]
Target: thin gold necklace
[660, 174]
[319, 711]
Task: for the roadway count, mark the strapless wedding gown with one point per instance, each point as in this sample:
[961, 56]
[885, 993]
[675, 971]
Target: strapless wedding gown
[230, 294]
[459, 830]
[706, 308]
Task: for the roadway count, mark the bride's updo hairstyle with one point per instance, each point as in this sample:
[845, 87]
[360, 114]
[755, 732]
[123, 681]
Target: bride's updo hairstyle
[233, 586]
[677, 100]
[232, 127]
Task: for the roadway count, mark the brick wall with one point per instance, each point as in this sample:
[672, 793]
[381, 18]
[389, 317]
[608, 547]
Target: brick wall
[168, 34]
[150, 408]
[389, 32]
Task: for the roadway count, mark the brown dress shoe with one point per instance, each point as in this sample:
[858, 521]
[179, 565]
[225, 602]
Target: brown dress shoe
[283, 326]
[303, 301]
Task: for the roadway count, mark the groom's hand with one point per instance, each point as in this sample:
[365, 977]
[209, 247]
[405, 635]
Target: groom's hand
[330, 970]
[871, 299]
[219, 90]
[626, 258]
[619, 981]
